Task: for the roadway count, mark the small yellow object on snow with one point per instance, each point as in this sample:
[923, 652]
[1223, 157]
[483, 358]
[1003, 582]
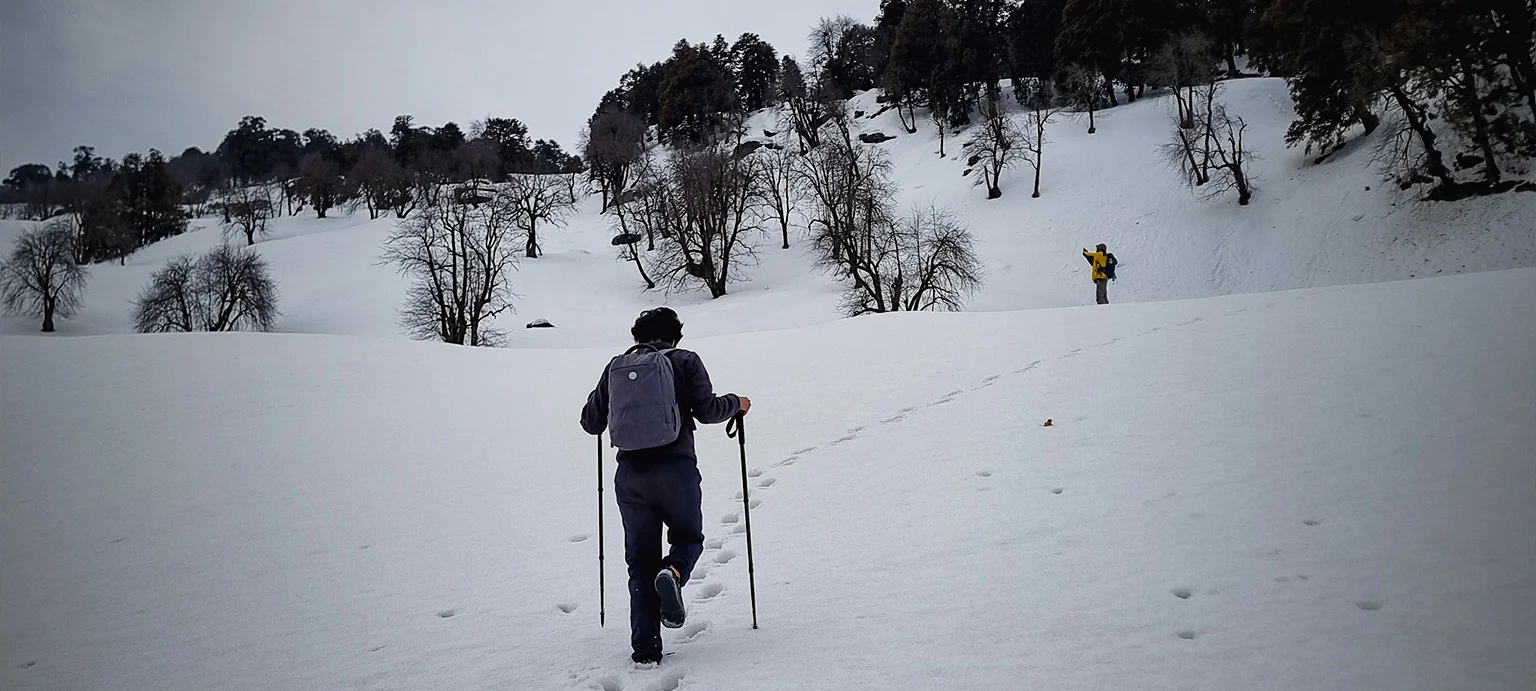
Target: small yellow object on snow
[1048, 423]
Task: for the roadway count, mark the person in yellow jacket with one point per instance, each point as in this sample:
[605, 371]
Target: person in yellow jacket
[1103, 269]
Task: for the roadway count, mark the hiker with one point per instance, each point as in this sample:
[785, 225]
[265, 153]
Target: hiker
[1103, 271]
[651, 422]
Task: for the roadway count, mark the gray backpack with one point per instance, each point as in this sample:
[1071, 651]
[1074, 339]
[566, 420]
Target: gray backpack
[642, 399]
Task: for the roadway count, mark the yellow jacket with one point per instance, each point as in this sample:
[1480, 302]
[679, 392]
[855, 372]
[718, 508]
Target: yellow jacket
[1098, 261]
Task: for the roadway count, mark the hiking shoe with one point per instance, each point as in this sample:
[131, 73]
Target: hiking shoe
[647, 659]
[671, 594]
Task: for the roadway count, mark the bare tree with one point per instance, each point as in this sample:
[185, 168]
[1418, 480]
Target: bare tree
[227, 289]
[460, 258]
[997, 145]
[320, 181]
[1186, 62]
[940, 123]
[614, 144]
[538, 199]
[41, 277]
[804, 106]
[933, 266]
[1230, 155]
[377, 177]
[1083, 87]
[477, 159]
[1039, 98]
[643, 201]
[246, 211]
[1214, 150]
[781, 185]
[707, 208]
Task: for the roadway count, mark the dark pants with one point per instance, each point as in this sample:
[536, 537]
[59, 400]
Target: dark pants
[650, 496]
[1101, 290]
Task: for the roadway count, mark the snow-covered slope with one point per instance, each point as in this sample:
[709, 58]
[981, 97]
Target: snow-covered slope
[1323, 489]
[1309, 225]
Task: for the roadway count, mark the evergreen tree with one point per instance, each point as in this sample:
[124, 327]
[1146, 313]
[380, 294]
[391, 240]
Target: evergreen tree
[1092, 36]
[886, 25]
[696, 94]
[756, 66]
[1031, 29]
[917, 56]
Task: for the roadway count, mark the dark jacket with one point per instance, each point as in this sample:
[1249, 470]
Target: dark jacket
[696, 400]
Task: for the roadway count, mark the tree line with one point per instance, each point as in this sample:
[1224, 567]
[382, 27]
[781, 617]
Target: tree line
[258, 171]
[1453, 79]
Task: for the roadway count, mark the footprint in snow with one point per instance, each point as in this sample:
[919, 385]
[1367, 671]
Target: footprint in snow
[714, 543]
[754, 503]
[609, 683]
[738, 529]
[1187, 635]
[787, 461]
[1027, 367]
[669, 681]
[708, 590]
[1312, 522]
[730, 518]
[843, 439]
[1058, 490]
[578, 538]
[1072, 353]
[893, 419]
[566, 607]
[694, 629]
[755, 472]
[1182, 593]
[804, 451]
[766, 482]
[984, 473]
[1369, 605]
[725, 556]
[447, 613]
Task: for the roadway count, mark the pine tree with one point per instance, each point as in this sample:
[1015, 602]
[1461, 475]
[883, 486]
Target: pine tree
[1092, 35]
[757, 72]
[1031, 29]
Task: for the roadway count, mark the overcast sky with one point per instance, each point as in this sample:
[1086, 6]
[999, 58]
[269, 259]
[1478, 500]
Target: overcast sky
[130, 75]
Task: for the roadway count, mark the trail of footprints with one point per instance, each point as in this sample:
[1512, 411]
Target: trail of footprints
[700, 589]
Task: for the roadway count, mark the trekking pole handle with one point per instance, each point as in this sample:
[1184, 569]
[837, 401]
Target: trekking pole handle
[737, 427]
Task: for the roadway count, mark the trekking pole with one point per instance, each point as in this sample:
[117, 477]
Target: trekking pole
[602, 594]
[738, 429]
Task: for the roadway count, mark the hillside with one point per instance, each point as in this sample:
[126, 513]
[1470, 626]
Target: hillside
[1309, 225]
[1322, 489]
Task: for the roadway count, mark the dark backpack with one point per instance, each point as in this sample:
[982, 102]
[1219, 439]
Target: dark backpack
[1109, 265]
[642, 399]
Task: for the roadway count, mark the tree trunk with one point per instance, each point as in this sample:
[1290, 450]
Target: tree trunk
[250, 236]
[1039, 152]
[635, 257]
[784, 226]
[1244, 193]
[941, 141]
[1434, 160]
[48, 308]
[1091, 127]
[1232, 72]
[1367, 118]
[533, 241]
[1481, 137]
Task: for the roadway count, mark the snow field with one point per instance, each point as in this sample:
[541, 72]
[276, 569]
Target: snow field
[1327, 489]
